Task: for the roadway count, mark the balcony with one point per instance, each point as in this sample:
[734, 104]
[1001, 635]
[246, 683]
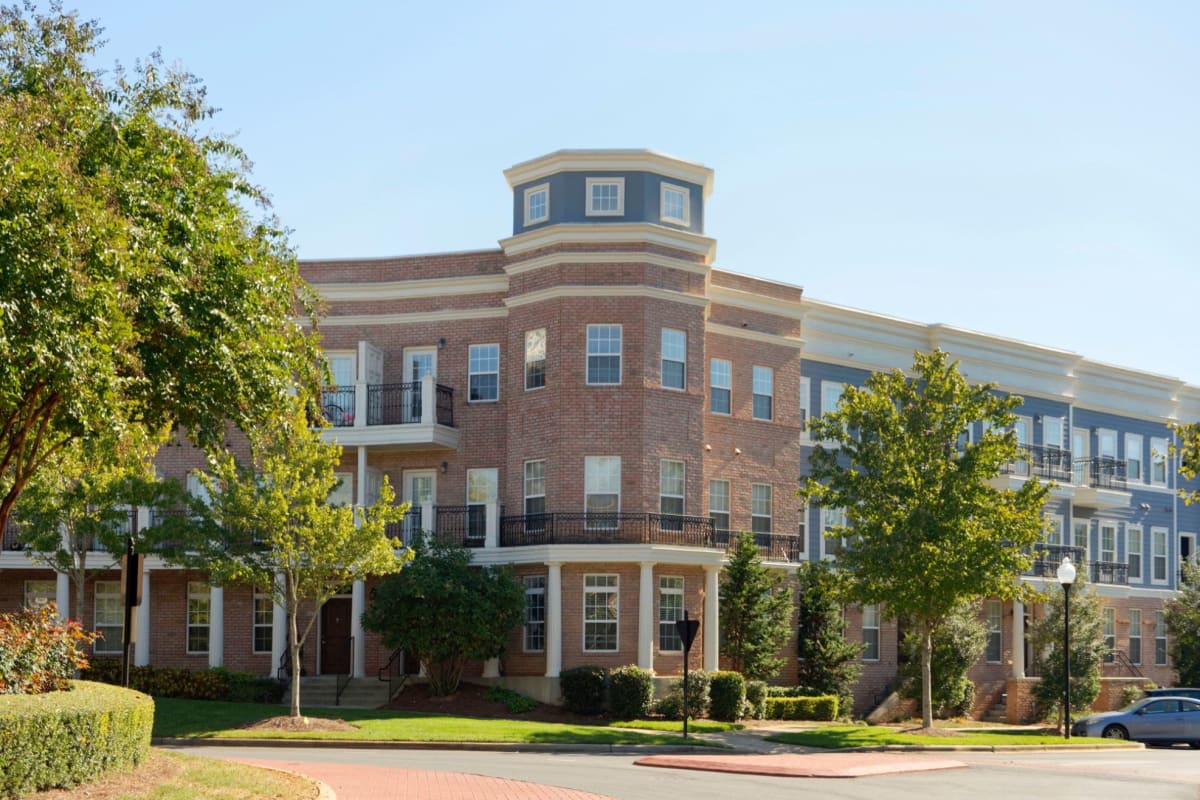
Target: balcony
[466, 525]
[1047, 557]
[1046, 463]
[418, 415]
[10, 537]
[583, 528]
[1110, 572]
[1102, 483]
[787, 547]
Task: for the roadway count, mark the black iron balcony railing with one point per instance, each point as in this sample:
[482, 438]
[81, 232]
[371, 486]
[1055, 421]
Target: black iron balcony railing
[1045, 462]
[463, 524]
[1101, 472]
[10, 538]
[584, 528]
[338, 406]
[401, 404]
[1111, 572]
[1047, 557]
[771, 546]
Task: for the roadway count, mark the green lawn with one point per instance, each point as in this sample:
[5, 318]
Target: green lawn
[212, 719]
[863, 736]
[694, 726]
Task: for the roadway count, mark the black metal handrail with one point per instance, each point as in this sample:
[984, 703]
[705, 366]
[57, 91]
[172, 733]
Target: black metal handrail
[463, 524]
[1103, 472]
[1121, 659]
[445, 406]
[338, 406]
[10, 539]
[1111, 572]
[285, 663]
[771, 546]
[1047, 558]
[401, 404]
[393, 673]
[344, 680]
[619, 528]
[1043, 461]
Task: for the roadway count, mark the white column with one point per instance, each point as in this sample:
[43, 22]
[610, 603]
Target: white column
[360, 404]
[361, 493]
[428, 401]
[1018, 639]
[491, 668]
[712, 621]
[491, 534]
[62, 597]
[141, 648]
[554, 619]
[216, 626]
[428, 523]
[358, 604]
[278, 629]
[646, 616]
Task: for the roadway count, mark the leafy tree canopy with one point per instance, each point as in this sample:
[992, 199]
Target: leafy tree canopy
[446, 611]
[1087, 650]
[926, 531]
[957, 644]
[756, 612]
[828, 662]
[1183, 627]
[1187, 450]
[136, 288]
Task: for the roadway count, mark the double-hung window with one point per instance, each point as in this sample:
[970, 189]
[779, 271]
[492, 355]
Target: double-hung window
[1158, 555]
[263, 621]
[1133, 552]
[670, 493]
[482, 489]
[484, 378]
[603, 354]
[1158, 461]
[1108, 541]
[674, 358]
[718, 504]
[670, 609]
[199, 611]
[674, 204]
[831, 395]
[40, 593]
[760, 507]
[535, 493]
[763, 381]
[537, 203]
[1135, 636]
[1133, 457]
[535, 613]
[601, 612]
[870, 632]
[602, 491]
[535, 359]
[1160, 639]
[720, 385]
[110, 616]
[805, 402]
[605, 197]
[1109, 617]
[995, 641]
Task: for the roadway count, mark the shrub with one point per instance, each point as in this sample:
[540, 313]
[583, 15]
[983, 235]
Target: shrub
[583, 689]
[756, 699]
[823, 708]
[38, 651]
[515, 702]
[1131, 694]
[727, 693]
[209, 684]
[246, 687]
[69, 737]
[787, 691]
[671, 706]
[630, 692]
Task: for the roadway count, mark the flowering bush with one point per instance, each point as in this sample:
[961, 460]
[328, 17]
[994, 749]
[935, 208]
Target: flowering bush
[38, 651]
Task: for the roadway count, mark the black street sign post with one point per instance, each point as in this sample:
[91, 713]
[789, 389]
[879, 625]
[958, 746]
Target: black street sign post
[687, 632]
[131, 589]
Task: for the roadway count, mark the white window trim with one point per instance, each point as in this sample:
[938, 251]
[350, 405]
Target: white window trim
[1135, 657]
[471, 373]
[1108, 556]
[876, 627]
[533, 590]
[805, 405]
[525, 376]
[615, 589]
[754, 394]
[587, 493]
[1101, 435]
[662, 489]
[1048, 523]
[1129, 531]
[825, 522]
[525, 484]
[770, 516]
[1131, 438]
[620, 354]
[998, 630]
[587, 200]
[532, 190]
[662, 203]
[728, 510]
[728, 387]
[662, 356]
[1166, 537]
[256, 595]
[1166, 461]
[112, 589]
[1160, 627]
[674, 592]
[1087, 546]
[187, 616]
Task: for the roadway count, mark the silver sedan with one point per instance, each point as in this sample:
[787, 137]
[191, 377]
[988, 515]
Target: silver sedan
[1153, 720]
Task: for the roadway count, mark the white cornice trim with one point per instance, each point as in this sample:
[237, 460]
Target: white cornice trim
[555, 259]
[448, 315]
[403, 290]
[610, 161]
[739, 298]
[644, 292]
[754, 336]
[599, 554]
[610, 233]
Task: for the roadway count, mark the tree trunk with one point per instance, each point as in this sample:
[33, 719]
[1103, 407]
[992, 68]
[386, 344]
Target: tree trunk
[926, 674]
[293, 611]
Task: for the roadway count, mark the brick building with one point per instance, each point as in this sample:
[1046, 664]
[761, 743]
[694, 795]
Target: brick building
[597, 404]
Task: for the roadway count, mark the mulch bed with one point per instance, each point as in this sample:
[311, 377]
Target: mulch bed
[298, 725]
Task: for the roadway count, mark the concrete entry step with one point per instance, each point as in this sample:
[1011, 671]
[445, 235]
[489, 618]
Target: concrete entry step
[321, 690]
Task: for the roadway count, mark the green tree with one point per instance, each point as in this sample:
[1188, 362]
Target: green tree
[270, 516]
[1187, 449]
[827, 662]
[137, 290]
[756, 612]
[926, 530]
[75, 515]
[446, 611]
[1087, 650]
[957, 644]
[1183, 625]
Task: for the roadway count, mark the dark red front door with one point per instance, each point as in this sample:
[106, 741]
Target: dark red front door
[335, 637]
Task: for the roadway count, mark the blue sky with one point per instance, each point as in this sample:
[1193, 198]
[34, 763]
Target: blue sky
[1027, 169]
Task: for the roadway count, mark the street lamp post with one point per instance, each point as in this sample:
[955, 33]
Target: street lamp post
[1066, 576]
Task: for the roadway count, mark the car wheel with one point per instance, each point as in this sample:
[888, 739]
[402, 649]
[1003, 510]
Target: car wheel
[1115, 732]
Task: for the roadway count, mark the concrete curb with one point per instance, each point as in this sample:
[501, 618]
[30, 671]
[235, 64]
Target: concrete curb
[500, 747]
[324, 790]
[991, 748]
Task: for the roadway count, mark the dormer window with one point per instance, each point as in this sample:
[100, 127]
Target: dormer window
[537, 204]
[605, 197]
[674, 205]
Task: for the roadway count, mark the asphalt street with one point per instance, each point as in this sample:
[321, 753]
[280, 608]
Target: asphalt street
[1160, 774]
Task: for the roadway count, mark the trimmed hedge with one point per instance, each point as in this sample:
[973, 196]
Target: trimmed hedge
[727, 695]
[584, 689]
[823, 708]
[630, 692]
[671, 706]
[61, 739]
[207, 684]
[756, 699]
